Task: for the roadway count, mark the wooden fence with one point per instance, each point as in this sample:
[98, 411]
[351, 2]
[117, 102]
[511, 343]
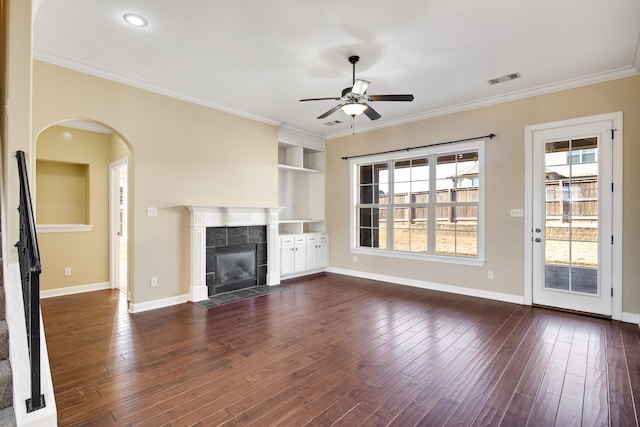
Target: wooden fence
[580, 200]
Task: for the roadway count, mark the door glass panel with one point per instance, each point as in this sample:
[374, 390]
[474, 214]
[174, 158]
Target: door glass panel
[571, 217]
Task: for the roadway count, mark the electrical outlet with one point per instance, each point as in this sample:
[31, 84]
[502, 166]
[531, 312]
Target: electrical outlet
[490, 275]
[355, 258]
[154, 282]
[67, 271]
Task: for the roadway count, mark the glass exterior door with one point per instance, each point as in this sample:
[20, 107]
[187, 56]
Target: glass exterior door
[572, 218]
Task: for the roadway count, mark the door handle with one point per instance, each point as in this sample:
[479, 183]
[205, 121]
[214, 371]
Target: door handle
[538, 240]
[538, 230]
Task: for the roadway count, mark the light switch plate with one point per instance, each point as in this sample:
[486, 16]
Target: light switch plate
[517, 213]
[151, 211]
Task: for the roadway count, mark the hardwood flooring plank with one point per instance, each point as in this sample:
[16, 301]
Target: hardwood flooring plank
[570, 406]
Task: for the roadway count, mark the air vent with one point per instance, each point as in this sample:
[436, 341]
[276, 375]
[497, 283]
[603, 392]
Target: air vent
[333, 123]
[504, 78]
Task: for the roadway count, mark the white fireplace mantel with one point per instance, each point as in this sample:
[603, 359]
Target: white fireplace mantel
[219, 216]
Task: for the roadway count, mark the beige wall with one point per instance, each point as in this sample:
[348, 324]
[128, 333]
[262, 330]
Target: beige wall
[118, 149]
[16, 128]
[86, 253]
[181, 154]
[504, 238]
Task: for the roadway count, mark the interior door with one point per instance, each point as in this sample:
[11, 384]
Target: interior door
[572, 217]
[119, 226]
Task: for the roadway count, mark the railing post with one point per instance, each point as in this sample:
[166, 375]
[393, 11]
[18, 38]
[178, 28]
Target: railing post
[30, 268]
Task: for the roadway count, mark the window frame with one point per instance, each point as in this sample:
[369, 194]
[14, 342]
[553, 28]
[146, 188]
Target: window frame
[355, 163]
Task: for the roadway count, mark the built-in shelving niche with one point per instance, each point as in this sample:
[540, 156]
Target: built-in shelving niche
[301, 165]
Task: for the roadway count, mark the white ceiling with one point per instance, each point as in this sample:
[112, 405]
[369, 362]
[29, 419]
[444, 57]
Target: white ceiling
[257, 58]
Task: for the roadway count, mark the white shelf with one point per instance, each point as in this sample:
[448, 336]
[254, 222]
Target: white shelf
[301, 164]
[299, 221]
[297, 169]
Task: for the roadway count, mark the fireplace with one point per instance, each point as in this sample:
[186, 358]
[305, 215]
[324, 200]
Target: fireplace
[236, 258]
[216, 230]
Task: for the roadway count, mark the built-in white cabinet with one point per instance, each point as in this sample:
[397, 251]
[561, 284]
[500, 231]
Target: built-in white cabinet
[301, 166]
[316, 251]
[301, 162]
[292, 254]
[302, 253]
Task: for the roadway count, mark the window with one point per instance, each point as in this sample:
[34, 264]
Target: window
[587, 155]
[426, 205]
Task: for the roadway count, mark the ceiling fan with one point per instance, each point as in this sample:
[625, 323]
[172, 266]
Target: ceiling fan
[353, 100]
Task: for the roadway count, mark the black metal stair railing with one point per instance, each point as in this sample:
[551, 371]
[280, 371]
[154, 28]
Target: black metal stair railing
[30, 269]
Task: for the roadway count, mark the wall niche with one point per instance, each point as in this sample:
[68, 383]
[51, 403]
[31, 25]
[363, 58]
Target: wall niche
[62, 195]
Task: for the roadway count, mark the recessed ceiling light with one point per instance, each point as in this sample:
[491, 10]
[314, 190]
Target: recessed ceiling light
[135, 20]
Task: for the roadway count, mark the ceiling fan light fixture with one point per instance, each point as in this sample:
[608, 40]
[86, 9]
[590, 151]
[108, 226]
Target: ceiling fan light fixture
[353, 108]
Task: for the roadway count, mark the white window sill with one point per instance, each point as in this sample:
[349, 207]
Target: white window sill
[420, 257]
[63, 228]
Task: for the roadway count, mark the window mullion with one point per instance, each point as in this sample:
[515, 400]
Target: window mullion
[431, 212]
[390, 208]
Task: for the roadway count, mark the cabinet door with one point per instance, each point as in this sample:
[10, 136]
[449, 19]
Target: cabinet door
[286, 260]
[312, 252]
[286, 255]
[322, 252]
[299, 254]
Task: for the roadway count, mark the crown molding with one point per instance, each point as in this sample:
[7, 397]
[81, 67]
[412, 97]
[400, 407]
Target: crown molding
[295, 136]
[494, 100]
[141, 84]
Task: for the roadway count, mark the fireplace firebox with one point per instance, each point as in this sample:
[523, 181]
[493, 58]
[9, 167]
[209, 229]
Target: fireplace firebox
[236, 258]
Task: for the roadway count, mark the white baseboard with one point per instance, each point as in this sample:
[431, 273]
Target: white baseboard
[631, 318]
[626, 317]
[49, 293]
[497, 296]
[158, 303]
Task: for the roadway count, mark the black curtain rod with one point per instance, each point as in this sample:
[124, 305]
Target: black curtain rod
[490, 136]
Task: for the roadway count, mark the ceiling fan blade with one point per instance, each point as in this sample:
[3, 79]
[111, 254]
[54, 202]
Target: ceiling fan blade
[390, 97]
[371, 113]
[331, 111]
[359, 87]
[320, 99]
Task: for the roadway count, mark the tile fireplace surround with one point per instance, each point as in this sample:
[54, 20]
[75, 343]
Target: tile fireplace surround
[215, 216]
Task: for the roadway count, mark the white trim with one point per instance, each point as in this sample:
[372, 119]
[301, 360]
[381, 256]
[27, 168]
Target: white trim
[63, 228]
[459, 290]
[158, 303]
[636, 56]
[142, 84]
[70, 290]
[87, 125]
[218, 216]
[500, 99]
[630, 318]
[420, 257]
[300, 274]
[616, 261]
[19, 357]
[114, 208]
[478, 144]
[292, 136]
[616, 216]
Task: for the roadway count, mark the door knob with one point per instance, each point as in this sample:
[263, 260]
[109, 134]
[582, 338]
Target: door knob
[538, 240]
[538, 230]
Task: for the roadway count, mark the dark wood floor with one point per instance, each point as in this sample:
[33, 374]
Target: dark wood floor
[337, 350]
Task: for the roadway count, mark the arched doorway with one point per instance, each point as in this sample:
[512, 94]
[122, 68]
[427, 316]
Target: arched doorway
[74, 214]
